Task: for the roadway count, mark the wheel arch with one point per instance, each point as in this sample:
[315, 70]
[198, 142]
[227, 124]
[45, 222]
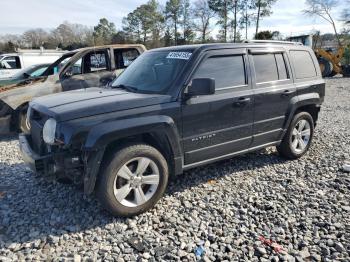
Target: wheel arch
[158, 131]
[310, 103]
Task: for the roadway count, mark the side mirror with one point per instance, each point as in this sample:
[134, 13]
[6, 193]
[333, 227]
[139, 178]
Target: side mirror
[26, 75]
[201, 87]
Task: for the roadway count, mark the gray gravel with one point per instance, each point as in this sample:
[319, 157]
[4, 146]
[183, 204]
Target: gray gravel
[256, 207]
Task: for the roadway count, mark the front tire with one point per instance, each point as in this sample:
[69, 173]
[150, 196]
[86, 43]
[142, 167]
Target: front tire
[298, 138]
[132, 180]
[22, 122]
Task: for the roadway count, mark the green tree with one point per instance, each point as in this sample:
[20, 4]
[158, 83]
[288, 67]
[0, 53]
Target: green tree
[202, 14]
[173, 10]
[263, 9]
[104, 32]
[187, 22]
[246, 16]
[268, 35]
[145, 24]
[222, 9]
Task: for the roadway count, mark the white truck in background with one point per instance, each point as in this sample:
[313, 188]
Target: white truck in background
[10, 64]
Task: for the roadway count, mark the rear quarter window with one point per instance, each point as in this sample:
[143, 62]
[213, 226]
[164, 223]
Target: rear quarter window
[304, 66]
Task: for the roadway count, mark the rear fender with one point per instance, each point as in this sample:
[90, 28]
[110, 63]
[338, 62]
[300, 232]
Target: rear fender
[298, 102]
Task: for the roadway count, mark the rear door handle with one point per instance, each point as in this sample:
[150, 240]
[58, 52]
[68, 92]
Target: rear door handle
[288, 92]
[242, 101]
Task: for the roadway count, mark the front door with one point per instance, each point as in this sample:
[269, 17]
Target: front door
[91, 70]
[219, 124]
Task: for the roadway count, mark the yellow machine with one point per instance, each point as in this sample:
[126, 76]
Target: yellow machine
[331, 60]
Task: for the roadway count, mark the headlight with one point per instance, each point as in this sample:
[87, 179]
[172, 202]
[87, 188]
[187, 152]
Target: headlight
[49, 131]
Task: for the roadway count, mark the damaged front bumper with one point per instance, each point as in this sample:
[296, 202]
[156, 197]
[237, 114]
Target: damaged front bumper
[80, 169]
[43, 165]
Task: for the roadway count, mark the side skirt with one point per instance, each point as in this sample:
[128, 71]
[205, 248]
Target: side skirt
[212, 160]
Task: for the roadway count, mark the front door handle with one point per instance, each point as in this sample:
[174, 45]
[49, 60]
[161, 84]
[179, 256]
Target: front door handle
[242, 101]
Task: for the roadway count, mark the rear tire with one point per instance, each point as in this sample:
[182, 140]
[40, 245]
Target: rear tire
[298, 138]
[326, 67]
[132, 180]
[346, 71]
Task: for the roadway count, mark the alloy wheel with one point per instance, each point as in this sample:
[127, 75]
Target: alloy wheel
[301, 136]
[136, 182]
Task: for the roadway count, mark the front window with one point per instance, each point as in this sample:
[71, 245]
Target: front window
[38, 72]
[153, 72]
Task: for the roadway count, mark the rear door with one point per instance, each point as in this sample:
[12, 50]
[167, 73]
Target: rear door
[219, 124]
[91, 70]
[273, 91]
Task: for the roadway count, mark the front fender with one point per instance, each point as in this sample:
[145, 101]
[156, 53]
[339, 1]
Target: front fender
[103, 134]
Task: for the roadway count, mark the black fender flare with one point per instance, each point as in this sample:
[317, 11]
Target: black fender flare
[298, 102]
[103, 134]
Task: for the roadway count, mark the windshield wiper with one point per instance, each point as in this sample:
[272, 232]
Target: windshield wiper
[127, 88]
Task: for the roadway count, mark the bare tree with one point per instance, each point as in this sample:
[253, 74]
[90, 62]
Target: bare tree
[35, 37]
[203, 14]
[323, 9]
[345, 17]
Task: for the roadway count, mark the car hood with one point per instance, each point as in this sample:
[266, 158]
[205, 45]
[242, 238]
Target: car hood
[93, 101]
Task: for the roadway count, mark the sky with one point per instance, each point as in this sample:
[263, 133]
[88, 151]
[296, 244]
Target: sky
[17, 16]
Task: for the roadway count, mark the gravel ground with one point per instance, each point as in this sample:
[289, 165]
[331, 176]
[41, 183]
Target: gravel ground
[256, 207]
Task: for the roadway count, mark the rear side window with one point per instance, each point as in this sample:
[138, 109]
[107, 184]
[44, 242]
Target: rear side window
[123, 58]
[270, 67]
[281, 67]
[97, 62]
[265, 68]
[303, 64]
[228, 71]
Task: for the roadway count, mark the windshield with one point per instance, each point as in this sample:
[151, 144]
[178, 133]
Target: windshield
[153, 72]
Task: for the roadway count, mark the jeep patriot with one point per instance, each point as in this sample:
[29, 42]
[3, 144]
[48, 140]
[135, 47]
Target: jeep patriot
[171, 110]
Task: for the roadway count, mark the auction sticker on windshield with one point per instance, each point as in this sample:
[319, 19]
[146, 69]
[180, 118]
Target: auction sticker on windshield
[179, 55]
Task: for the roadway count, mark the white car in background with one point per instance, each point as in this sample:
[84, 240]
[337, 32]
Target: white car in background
[12, 63]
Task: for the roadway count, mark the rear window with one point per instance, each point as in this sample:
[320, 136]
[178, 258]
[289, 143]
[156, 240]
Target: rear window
[228, 71]
[303, 64]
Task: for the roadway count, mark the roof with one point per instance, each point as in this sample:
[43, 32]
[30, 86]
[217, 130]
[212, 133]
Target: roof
[226, 45]
[111, 46]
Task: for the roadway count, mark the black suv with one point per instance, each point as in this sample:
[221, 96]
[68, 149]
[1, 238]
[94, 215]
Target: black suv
[174, 109]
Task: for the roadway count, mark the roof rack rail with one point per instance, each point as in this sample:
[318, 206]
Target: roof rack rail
[272, 42]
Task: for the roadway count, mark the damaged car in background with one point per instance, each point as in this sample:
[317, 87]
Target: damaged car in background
[82, 68]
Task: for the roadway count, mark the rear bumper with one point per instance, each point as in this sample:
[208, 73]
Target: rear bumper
[39, 164]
